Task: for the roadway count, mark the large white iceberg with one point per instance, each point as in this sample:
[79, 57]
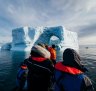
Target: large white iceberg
[24, 38]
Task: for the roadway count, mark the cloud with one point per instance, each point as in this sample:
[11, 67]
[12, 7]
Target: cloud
[87, 30]
[75, 15]
[89, 40]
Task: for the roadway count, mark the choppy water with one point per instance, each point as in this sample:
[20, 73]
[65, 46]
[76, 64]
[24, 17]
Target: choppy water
[88, 56]
[10, 61]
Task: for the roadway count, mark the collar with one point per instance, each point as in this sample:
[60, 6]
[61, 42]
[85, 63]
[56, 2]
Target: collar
[67, 69]
[38, 59]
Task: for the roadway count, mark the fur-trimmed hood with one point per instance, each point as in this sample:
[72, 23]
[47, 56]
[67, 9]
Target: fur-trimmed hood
[40, 51]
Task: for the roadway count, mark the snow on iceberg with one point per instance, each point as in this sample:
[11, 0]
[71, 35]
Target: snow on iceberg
[24, 38]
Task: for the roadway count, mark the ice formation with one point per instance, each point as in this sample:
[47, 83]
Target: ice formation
[24, 38]
[6, 46]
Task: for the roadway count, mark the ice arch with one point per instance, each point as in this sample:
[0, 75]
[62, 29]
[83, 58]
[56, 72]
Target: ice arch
[49, 32]
[54, 40]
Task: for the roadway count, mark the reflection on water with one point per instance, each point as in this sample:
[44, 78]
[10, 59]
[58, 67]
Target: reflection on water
[10, 61]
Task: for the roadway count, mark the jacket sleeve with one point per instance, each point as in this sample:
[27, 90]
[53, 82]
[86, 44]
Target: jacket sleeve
[87, 85]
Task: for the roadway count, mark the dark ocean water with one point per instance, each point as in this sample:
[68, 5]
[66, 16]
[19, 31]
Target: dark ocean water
[10, 61]
[88, 56]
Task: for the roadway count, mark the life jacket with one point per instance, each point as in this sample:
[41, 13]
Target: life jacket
[52, 52]
[68, 78]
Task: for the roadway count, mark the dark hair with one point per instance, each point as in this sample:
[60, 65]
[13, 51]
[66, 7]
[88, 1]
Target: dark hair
[53, 46]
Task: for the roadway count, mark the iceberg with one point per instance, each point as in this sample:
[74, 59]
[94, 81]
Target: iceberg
[24, 38]
[6, 46]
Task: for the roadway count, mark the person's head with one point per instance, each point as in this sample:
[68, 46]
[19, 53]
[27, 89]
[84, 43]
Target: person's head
[38, 51]
[72, 58]
[53, 46]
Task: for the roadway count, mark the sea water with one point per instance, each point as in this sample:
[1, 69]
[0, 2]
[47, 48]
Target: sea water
[10, 63]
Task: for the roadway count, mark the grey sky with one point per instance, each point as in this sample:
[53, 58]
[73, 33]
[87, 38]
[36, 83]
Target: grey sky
[75, 15]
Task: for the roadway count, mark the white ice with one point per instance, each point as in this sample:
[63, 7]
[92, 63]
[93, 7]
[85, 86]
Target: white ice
[24, 38]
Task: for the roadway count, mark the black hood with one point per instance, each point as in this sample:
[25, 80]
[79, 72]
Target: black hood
[71, 58]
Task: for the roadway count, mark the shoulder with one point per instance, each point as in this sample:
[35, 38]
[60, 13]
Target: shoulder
[87, 84]
[87, 81]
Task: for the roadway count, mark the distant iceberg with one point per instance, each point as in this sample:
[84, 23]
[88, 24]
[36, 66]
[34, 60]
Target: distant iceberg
[6, 46]
[24, 38]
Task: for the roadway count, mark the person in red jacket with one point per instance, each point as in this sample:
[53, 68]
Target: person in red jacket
[52, 52]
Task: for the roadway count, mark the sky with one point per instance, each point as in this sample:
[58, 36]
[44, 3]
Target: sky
[74, 15]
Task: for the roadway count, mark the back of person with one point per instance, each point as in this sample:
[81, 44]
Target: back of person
[53, 53]
[39, 75]
[70, 82]
[40, 70]
[69, 74]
